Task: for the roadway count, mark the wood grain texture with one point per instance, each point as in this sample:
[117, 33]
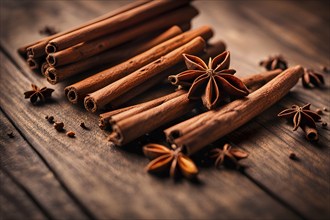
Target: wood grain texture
[15, 203]
[27, 168]
[270, 139]
[101, 176]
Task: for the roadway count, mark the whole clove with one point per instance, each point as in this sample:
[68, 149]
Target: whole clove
[11, 134]
[82, 124]
[59, 126]
[50, 119]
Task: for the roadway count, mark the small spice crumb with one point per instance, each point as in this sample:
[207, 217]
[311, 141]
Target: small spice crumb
[82, 124]
[325, 109]
[10, 134]
[324, 124]
[71, 134]
[292, 156]
[319, 111]
[59, 126]
[50, 119]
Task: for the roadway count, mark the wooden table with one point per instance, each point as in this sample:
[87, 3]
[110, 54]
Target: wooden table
[46, 175]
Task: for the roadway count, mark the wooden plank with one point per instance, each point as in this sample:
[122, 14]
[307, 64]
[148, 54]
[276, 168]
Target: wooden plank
[23, 164]
[244, 26]
[102, 176]
[14, 203]
[302, 185]
[255, 29]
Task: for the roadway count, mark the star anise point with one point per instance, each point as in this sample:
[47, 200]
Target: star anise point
[38, 94]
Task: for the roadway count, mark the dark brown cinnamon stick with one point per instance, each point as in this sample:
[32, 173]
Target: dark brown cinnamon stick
[91, 48]
[113, 56]
[125, 128]
[135, 109]
[43, 68]
[33, 63]
[37, 49]
[104, 78]
[112, 24]
[102, 97]
[195, 133]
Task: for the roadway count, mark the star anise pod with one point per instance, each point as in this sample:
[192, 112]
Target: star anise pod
[36, 93]
[165, 159]
[301, 116]
[311, 78]
[212, 83]
[227, 153]
[274, 62]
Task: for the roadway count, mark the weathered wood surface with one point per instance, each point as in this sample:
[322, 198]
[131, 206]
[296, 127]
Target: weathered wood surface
[92, 179]
[24, 165]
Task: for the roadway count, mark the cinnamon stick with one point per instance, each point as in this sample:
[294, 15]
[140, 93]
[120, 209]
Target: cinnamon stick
[153, 115]
[195, 133]
[33, 63]
[43, 68]
[311, 133]
[104, 78]
[125, 130]
[37, 49]
[112, 24]
[91, 48]
[113, 56]
[102, 97]
[135, 109]
[212, 50]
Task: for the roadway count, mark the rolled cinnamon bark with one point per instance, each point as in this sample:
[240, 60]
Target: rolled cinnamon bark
[33, 63]
[113, 56]
[112, 24]
[37, 49]
[212, 125]
[311, 133]
[124, 124]
[125, 129]
[135, 109]
[212, 50]
[43, 68]
[91, 48]
[91, 84]
[102, 97]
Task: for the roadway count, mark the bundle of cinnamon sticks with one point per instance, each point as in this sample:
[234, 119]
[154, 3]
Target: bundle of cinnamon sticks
[136, 47]
[111, 38]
